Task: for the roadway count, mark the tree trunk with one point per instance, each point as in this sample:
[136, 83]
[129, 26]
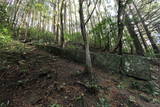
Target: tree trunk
[154, 46]
[62, 24]
[85, 38]
[120, 27]
[139, 31]
[130, 27]
[76, 24]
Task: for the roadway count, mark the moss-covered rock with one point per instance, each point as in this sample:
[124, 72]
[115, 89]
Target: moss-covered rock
[108, 62]
[134, 66]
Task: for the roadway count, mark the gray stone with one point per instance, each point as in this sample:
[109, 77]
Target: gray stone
[108, 62]
[134, 66]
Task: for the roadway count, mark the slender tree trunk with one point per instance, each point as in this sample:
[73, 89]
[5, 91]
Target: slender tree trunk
[120, 26]
[17, 4]
[71, 19]
[142, 38]
[137, 44]
[57, 23]
[154, 46]
[139, 31]
[76, 24]
[85, 38]
[65, 17]
[62, 24]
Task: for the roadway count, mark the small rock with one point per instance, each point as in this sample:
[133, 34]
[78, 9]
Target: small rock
[65, 97]
[154, 78]
[49, 76]
[132, 99]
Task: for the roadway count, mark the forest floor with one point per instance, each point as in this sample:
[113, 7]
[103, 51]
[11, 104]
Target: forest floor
[36, 78]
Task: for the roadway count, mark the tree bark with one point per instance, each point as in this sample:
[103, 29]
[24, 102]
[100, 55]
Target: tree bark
[62, 24]
[137, 44]
[139, 31]
[154, 46]
[88, 67]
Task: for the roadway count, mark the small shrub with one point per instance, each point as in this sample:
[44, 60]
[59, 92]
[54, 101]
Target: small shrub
[4, 40]
[79, 97]
[37, 35]
[55, 105]
[103, 102]
[121, 86]
[76, 37]
[3, 104]
[147, 87]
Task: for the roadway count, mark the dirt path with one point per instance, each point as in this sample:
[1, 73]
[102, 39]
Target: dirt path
[39, 79]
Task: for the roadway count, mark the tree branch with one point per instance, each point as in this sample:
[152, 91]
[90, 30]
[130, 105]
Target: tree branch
[91, 12]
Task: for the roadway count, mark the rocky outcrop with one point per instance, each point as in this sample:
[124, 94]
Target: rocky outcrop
[134, 66]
